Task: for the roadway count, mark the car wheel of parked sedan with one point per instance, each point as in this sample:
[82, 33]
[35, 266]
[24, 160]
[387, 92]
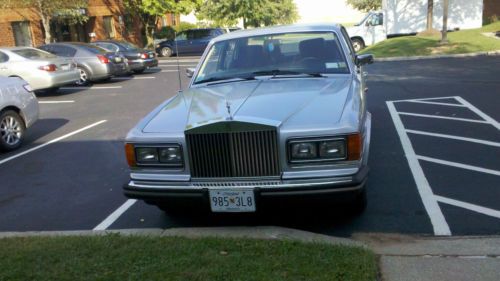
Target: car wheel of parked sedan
[11, 130]
[166, 52]
[357, 44]
[84, 77]
[139, 71]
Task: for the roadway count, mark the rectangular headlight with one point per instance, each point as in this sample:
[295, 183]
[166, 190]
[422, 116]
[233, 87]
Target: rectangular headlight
[317, 150]
[159, 155]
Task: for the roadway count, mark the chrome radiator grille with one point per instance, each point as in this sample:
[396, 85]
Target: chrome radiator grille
[233, 154]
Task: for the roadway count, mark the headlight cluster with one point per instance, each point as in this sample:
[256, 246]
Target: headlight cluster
[324, 149]
[169, 155]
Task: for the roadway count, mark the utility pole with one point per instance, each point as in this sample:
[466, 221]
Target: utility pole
[444, 32]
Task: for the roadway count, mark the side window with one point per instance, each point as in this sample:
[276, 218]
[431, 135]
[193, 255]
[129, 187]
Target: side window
[201, 34]
[181, 36]
[3, 57]
[347, 39]
[68, 51]
[190, 34]
[376, 19]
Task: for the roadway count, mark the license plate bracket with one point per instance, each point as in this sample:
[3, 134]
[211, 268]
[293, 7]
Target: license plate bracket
[232, 200]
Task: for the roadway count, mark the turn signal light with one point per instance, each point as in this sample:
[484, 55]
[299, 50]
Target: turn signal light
[354, 147]
[103, 59]
[130, 153]
[49, 67]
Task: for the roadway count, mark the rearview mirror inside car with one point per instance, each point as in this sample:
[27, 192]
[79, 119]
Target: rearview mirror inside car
[189, 72]
[364, 59]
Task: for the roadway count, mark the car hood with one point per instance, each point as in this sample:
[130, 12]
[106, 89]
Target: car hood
[287, 102]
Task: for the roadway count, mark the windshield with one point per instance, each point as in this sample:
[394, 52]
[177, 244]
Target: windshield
[309, 53]
[128, 46]
[30, 53]
[364, 18]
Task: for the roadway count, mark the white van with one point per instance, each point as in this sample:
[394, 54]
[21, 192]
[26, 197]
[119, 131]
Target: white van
[400, 17]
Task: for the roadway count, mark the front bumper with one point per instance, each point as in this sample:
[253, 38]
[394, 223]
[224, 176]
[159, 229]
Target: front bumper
[158, 191]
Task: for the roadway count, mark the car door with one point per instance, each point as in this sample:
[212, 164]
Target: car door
[374, 29]
[181, 43]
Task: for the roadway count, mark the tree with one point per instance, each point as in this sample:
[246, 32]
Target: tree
[254, 13]
[444, 32]
[49, 10]
[365, 5]
[430, 12]
[150, 11]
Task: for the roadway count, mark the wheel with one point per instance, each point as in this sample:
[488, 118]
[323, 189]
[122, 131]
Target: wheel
[11, 130]
[84, 77]
[166, 52]
[139, 71]
[357, 44]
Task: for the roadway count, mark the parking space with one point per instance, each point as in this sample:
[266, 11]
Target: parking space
[434, 156]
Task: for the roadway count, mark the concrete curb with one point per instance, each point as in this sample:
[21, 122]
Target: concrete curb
[489, 53]
[259, 232]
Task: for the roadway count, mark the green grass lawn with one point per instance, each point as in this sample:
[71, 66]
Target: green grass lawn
[115, 257]
[461, 42]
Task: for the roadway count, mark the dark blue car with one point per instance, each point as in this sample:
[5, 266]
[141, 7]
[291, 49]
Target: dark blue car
[191, 41]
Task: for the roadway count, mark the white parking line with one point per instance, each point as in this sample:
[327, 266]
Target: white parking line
[169, 70]
[181, 65]
[134, 78]
[468, 206]
[443, 117]
[55, 101]
[436, 103]
[459, 165]
[479, 112]
[492, 143]
[115, 215]
[175, 61]
[92, 88]
[439, 224]
[426, 99]
[50, 142]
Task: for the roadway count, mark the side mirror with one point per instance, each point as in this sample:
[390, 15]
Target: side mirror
[367, 23]
[363, 59]
[189, 72]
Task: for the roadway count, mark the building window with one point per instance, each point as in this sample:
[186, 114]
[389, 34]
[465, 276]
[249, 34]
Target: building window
[109, 31]
[22, 33]
[174, 19]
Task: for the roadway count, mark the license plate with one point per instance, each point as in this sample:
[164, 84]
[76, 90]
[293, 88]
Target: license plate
[118, 59]
[223, 200]
[65, 66]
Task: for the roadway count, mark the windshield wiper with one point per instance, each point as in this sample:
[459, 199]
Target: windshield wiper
[276, 72]
[226, 79]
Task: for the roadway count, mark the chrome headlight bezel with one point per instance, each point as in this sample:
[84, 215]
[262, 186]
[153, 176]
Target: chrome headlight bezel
[158, 160]
[317, 142]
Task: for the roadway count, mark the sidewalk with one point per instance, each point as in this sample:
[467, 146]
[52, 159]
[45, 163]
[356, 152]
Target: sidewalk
[402, 257]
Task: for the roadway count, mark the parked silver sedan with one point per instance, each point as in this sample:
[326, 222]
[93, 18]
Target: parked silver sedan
[93, 63]
[18, 111]
[40, 69]
[272, 113]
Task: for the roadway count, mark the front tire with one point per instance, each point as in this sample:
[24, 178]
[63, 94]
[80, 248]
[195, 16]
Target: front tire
[166, 52]
[357, 44]
[12, 130]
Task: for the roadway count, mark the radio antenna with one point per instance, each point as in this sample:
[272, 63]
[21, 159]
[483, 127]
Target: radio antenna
[178, 66]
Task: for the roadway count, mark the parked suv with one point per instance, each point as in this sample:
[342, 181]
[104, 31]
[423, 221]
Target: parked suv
[191, 41]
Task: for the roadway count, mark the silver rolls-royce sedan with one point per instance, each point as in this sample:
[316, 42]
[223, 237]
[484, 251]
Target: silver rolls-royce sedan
[271, 112]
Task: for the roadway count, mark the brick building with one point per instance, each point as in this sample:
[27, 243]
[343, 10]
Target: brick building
[107, 19]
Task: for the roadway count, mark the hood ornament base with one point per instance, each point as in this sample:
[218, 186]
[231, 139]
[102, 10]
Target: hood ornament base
[228, 106]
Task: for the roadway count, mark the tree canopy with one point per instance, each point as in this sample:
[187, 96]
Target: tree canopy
[365, 5]
[254, 13]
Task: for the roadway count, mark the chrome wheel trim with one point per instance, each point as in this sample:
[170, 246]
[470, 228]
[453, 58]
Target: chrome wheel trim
[10, 130]
[166, 52]
[83, 77]
[357, 46]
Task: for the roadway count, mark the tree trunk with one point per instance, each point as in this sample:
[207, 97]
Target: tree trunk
[444, 32]
[244, 23]
[430, 12]
[46, 28]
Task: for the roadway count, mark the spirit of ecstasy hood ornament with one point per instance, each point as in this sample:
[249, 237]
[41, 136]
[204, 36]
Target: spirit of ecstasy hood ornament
[228, 106]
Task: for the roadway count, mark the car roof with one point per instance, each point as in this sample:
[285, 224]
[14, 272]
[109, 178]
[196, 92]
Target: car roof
[279, 29]
[16, 48]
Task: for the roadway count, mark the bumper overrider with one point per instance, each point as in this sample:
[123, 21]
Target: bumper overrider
[157, 191]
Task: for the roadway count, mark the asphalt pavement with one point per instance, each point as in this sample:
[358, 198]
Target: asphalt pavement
[434, 159]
